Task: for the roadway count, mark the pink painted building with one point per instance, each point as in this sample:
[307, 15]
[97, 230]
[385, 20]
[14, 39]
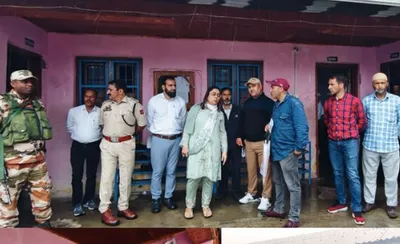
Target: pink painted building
[33, 236]
[59, 77]
[70, 236]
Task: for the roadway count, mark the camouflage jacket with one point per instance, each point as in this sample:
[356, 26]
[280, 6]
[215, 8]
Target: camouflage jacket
[21, 149]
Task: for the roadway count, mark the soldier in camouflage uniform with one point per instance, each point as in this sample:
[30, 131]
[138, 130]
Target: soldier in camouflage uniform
[24, 127]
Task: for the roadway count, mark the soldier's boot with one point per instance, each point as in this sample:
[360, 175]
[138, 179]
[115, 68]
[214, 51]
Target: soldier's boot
[45, 224]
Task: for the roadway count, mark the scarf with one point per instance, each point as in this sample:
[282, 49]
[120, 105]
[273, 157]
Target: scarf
[204, 135]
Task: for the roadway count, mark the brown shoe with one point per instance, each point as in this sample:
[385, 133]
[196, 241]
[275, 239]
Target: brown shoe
[292, 224]
[368, 207]
[392, 212]
[108, 218]
[127, 214]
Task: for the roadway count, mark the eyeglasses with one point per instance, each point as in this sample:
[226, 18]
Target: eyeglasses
[215, 94]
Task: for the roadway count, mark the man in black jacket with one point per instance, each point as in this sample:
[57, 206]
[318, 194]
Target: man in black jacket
[232, 166]
[256, 114]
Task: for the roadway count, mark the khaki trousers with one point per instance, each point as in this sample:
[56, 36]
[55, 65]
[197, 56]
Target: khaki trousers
[254, 158]
[122, 153]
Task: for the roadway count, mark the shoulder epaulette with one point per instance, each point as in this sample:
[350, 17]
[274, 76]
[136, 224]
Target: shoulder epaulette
[106, 101]
[133, 99]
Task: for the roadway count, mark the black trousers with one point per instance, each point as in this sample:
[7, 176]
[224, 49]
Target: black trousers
[231, 168]
[80, 153]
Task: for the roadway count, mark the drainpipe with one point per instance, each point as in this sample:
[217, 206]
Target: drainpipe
[295, 50]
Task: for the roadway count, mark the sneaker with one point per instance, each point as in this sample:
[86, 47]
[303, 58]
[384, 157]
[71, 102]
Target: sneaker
[358, 218]
[264, 204]
[247, 199]
[78, 210]
[337, 207]
[90, 205]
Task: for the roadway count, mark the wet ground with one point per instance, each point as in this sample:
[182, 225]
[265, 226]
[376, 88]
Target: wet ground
[228, 213]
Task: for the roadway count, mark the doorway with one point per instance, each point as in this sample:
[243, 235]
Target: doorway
[323, 72]
[392, 70]
[17, 59]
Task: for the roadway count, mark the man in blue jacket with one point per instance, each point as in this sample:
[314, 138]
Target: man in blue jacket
[289, 138]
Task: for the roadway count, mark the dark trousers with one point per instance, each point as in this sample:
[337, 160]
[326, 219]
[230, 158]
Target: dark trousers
[79, 153]
[231, 168]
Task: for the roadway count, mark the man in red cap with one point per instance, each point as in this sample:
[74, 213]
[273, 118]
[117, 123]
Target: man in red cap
[289, 138]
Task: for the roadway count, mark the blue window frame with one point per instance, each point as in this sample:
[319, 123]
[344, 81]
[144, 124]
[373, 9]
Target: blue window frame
[97, 73]
[233, 74]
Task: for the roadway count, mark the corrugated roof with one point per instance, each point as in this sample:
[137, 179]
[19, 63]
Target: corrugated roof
[341, 236]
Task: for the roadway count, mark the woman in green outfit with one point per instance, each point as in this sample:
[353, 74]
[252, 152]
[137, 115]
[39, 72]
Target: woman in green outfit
[204, 142]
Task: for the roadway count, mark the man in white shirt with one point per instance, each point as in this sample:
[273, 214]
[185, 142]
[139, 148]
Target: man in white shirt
[166, 115]
[83, 125]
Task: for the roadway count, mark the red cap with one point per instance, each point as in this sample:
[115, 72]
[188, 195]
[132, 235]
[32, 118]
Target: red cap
[280, 82]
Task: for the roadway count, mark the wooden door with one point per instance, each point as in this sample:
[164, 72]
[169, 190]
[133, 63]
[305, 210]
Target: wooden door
[188, 76]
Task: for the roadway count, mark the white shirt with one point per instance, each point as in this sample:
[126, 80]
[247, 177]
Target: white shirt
[166, 117]
[228, 111]
[83, 125]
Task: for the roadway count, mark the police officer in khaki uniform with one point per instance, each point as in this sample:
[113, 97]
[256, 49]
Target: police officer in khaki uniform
[121, 118]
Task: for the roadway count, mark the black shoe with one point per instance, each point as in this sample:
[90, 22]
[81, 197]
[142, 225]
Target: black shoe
[368, 207]
[219, 196]
[156, 206]
[46, 224]
[237, 195]
[169, 203]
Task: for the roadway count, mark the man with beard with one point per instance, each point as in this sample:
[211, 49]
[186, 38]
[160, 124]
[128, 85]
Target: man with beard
[22, 151]
[166, 115]
[345, 119]
[83, 125]
[232, 165]
[381, 144]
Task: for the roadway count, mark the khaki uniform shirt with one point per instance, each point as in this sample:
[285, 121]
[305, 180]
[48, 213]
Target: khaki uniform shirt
[118, 119]
[18, 149]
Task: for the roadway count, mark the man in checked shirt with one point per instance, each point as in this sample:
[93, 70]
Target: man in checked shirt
[344, 118]
[381, 144]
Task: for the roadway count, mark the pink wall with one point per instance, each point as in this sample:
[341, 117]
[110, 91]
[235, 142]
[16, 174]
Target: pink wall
[383, 52]
[32, 236]
[13, 30]
[190, 55]
[60, 51]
